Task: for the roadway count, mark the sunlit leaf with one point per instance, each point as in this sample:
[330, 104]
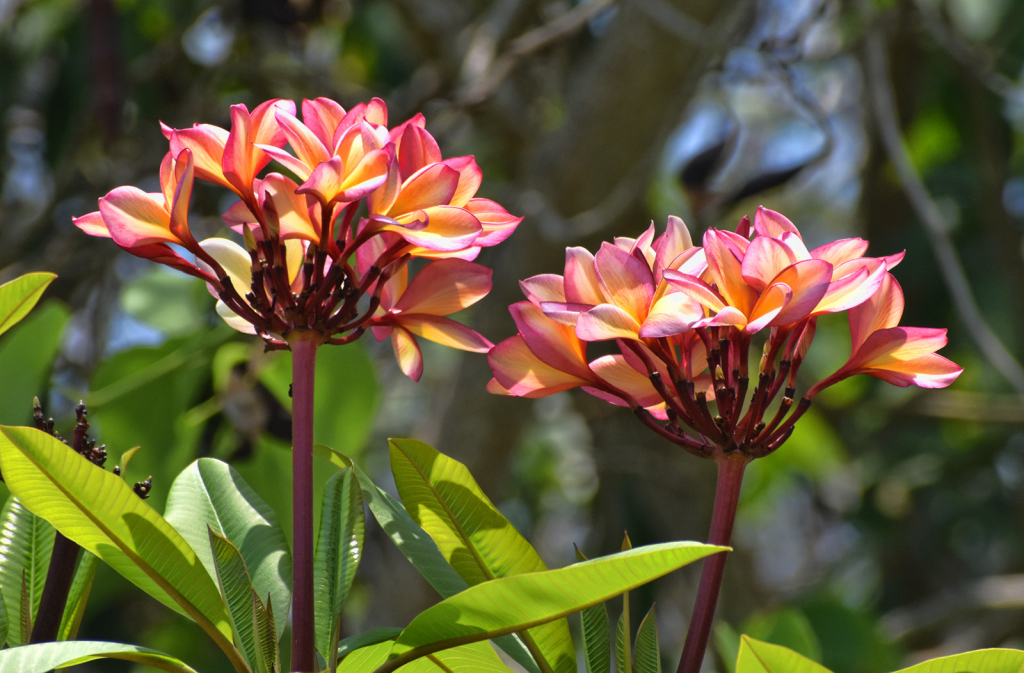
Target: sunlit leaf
[96, 509]
[979, 661]
[511, 604]
[758, 657]
[26, 543]
[365, 639]
[472, 658]
[339, 547]
[44, 657]
[422, 552]
[477, 540]
[3, 621]
[788, 627]
[18, 296]
[211, 492]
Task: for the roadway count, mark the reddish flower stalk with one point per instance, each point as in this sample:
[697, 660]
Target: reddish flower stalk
[684, 318]
[324, 260]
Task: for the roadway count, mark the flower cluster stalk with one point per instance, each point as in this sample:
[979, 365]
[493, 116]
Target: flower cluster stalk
[303, 346]
[727, 494]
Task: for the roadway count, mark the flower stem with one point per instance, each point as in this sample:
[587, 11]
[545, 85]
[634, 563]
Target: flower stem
[727, 492]
[303, 346]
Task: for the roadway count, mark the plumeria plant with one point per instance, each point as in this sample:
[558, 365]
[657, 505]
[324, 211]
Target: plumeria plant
[684, 319]
[368, 228]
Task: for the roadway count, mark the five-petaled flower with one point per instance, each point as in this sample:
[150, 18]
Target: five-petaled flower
[363, 192]
[683, 319]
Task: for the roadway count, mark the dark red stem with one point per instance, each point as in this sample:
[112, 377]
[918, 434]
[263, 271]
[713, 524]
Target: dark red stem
[55, 590]
[303, 345]
[727, 493]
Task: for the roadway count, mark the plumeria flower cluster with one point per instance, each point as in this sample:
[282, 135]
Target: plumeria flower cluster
[683, 318]
[327, 242]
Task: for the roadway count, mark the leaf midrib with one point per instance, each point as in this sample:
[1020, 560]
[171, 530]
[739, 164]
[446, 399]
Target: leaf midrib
[178, 598]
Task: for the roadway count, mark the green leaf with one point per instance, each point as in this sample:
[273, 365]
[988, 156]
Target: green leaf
[26, 610]
[623, 651]
[978, 661]
[513, 603]
[788, 627]
[596, 637]
[27, 354]
[474, 657]
[727, 642]
[26, 543]
[96, 509]
[3, 621]
[422, 552]
[367, 638]
[267, 655]
[758, 657]
[339, 547]
[236, 589]
[647, 653]
[78, 596]
[476, 539]
[212, 492]
[18, 296]
[44, 657]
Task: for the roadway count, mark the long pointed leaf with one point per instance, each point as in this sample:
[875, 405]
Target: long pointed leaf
[266, 635]
[422, 552]
[236, 589]
[3, 621]
[103, 515]
[759, 657]
[339, 547]
[365, 639]
[623, 651]
[513, 603]
[78, 596]
[978, 661]
[647, 653]
[476, 539]
[18, 296]
[596, 637]
[44, 657]
[212, 492]
[26, 543]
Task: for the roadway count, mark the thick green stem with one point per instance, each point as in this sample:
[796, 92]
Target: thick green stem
[727, 493]
[303, 345]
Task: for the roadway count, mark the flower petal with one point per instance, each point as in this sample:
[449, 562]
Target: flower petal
[92, 224]
[725, 270]
[883, 310]
[433, 186]
[445, 331]
[614, 370]
[470, 179]
[843, 250]
[134, 217]
[858, 280]
[416, 148]
[674, 313]
[309, 149]
[671, 245]
[771, 224]
[765, 259]
[625, 280]
[581, 283]
[496, 222]
[809, 281]
[554, 343]
[605, 322]
[448, 229]
[444, 287]
[207, 145]
[322, 116]
[292, 208]
[233, 259]
[769, 305]
[696, 289]
[523, 374]
[296, 166]
[234, 320]
[407, 353]
[545, 287]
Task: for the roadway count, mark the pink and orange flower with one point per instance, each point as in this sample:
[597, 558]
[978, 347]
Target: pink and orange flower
[683, 319]
[353, 190]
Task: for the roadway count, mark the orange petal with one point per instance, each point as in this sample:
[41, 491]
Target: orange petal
[523, 374]
[616, 371]
[769, 306]
[726, 269]
[407, 352]
[581, 283]
[674, 313]
[470, 178]
[605, 322]
[433, 186]
[207, 145]
[771, 224]
[445, 331]
[322, 116]
[444, 287]
[625, 280]
[366, 176]
[448, 229]
[292, 208]
[416, 149]
[764, 260]
[92, 224]
[554, 343]
[307, 146]
[883, 310]
[809, 281]
[237, 161]
[135, 218]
